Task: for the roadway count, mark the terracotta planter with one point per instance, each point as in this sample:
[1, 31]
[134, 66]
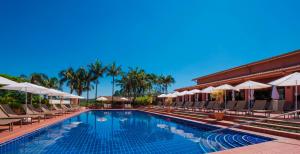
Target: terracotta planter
[219, 116]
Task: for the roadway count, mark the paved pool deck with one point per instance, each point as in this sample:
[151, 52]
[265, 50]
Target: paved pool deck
[5, 135]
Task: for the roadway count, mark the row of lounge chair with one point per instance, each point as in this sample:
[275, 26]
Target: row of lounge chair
[237, 107]
[8, 117]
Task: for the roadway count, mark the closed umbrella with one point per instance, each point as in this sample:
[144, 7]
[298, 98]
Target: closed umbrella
[289, 80]
[225, 87]
[251, 85]
[275, 94]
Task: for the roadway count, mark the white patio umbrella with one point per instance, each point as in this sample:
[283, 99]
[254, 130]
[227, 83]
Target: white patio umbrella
[207, 91]
[74, 96]
[171, 95]
[182, 94]
[26, 87]
[123, 98]
[161, 96]
[225, 87]
[102, 99]
[289, 80]
[251, 85]
[196, 92]
[4, 81]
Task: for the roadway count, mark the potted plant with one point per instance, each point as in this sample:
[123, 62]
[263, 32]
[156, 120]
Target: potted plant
[219, 97]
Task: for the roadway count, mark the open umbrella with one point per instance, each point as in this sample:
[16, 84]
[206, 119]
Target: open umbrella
[196, 92]
[4, 81]
[102, 99]
[289, 80]
[225, 87]
[251, 86]
[207, 91]
[161, 96]
[26, 87]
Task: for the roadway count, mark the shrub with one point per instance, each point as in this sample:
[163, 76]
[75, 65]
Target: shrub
[143, 100]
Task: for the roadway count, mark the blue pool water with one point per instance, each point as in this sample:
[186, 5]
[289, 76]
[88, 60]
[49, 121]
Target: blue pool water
[127, 132]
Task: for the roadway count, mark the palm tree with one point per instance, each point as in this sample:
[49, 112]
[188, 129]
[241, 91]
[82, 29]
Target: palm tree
[52, 83]
[98, 71]
[68, 76]
[80, 80]
[88, 79]
[113, 71]
[167, 81]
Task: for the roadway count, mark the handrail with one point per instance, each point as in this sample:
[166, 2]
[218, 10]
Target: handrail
[251, 122]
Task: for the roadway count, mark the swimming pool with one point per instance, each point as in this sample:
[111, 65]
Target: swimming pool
[127, 131]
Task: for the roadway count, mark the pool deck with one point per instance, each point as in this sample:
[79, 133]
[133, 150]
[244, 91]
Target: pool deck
[5, 135]
[278, 146]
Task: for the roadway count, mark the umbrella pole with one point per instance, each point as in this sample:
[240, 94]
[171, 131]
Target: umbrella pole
[296, 94]
[225, 100]
[26, 100]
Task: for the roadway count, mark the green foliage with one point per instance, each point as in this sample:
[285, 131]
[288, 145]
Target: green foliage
[143, 100]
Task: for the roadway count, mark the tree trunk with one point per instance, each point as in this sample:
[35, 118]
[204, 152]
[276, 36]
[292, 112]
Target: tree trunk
[88, 92]
[113, 89]
[96, 90]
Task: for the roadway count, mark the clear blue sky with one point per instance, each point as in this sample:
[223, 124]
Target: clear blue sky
[186, 39]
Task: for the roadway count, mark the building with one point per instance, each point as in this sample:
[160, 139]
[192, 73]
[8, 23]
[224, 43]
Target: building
[262, 71]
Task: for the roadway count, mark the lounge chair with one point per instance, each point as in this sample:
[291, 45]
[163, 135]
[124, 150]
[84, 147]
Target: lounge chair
[6, 120]
[240, 107]
[184, 106]
[230, 105]
[260, 107]
[189, 105]
[45, 109]
[64, 107]
[179, 105]
[29, 111]
[210, 106]
[56, 108]
[128, 106]
[196, 106]
[12, 114]
[107, 106]
[38, 111]
[217, 106]
[202, 105]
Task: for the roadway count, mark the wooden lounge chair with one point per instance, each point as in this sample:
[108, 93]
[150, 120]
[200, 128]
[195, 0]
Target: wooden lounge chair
[56, 108]
[230, 105]
[37, 111]
[6, 120]
[12, 114]
[189, 105]
[210, 105]
[45, 109]
[260, 107]
[196, 106]
[217, 106]
[202, 105]
[240, 107]
[107, 106]
[64, 107]
[178, 105]
[128, 106]
[29, 111]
